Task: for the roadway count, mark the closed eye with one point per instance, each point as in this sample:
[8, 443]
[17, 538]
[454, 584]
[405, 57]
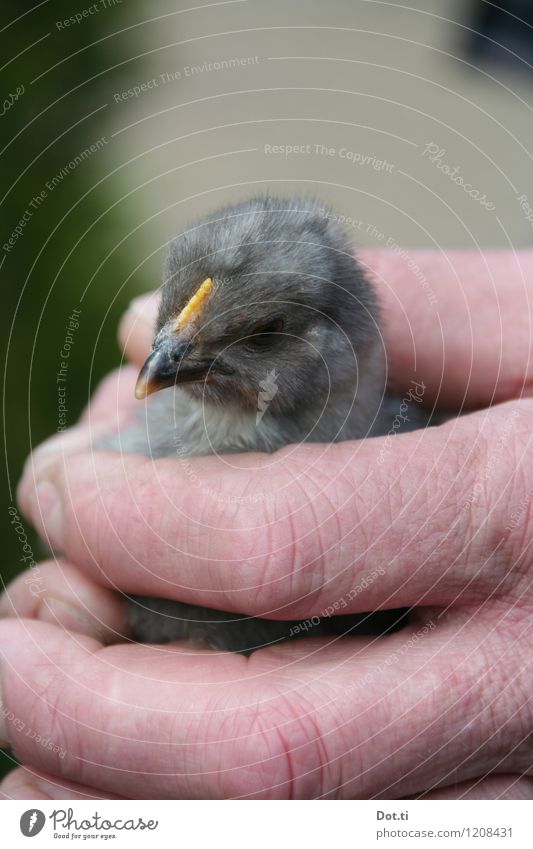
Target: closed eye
[263, 335]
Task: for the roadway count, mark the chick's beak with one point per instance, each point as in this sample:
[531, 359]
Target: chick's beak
[158, 372]
[169, 365]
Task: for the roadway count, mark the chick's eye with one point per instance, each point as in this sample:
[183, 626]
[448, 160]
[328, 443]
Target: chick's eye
[264, 334]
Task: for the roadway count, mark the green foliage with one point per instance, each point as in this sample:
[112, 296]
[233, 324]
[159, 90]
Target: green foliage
[73, 250]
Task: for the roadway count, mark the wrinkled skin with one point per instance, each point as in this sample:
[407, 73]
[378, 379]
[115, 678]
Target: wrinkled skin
[438, 519]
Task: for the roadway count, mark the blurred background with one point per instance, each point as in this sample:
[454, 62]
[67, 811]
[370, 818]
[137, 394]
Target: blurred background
[121, 121]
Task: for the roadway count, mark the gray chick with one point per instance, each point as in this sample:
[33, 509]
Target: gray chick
[267, 334]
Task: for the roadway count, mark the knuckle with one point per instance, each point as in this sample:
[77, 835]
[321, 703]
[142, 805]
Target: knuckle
[493, 484]
[511, 519]
[508, 697]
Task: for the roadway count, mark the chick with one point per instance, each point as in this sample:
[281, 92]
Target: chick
[267, 334]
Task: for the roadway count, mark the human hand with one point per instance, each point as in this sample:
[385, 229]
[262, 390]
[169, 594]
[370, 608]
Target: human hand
[437, 519]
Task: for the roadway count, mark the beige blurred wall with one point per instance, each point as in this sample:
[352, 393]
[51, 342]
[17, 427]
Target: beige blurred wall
[361, 88]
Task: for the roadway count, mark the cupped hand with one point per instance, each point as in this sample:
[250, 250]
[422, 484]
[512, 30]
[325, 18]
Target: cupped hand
[439, 520]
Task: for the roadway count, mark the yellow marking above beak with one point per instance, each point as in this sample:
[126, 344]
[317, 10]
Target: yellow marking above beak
[194, 306]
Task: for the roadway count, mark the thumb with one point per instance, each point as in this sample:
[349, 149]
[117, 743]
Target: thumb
[136, 328]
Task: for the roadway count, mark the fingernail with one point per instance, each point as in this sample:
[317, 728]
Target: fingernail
[37, 467]
[4, 741]
[61, 612]
[47, 514]
[42, 456]
[138, 305]
[51, 445]
[6, 608]
[136, 311]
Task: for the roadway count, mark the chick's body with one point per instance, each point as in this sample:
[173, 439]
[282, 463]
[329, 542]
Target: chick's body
[285, 348]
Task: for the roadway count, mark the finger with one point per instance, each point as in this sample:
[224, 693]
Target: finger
[24, 783]
[459, 320]
[112, 406]
[56, 591]
[492, 787]
[136, 329]
[349, 720]
[360, 525]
